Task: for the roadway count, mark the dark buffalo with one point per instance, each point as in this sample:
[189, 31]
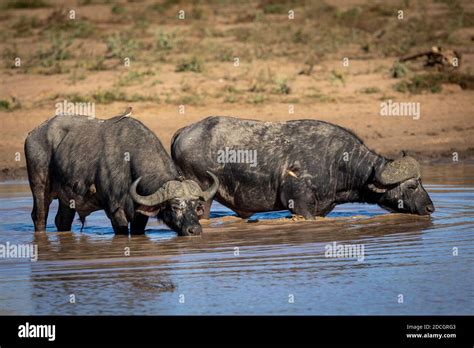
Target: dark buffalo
[117, 165]
[305, 166]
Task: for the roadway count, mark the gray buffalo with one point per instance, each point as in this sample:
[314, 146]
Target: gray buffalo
[305, 166]
[117, 165]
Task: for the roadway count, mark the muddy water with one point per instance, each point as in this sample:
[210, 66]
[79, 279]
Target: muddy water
[280, 266]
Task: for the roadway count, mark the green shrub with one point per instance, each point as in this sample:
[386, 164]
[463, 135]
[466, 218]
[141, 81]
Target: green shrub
[398, 70]
[12, 4]
[121, 45]
[194, 64]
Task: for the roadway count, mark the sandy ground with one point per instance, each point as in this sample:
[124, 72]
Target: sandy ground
[269, 80]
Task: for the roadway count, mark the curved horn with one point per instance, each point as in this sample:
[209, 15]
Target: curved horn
[211, 191]
[377, 189]
[399, 170]
[151, 200]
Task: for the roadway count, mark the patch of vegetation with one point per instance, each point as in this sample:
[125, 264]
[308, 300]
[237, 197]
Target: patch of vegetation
[230, 99]
[319, 96]
[110, 96]
[9, 105]
[256, 99]
[71, 97]
[224, 54]
[273, 7]
[398, 70]
[421, 83]
[457, 17]
[282, 86]
[370, 90]
[416, 32]
[368, 18]
[231, 94]
[194, 64]
[9, 55]
[59, 21]
[164, 6]
[197, 12]
[385, 97]
[141, 26]
[121, 45]
[337, 77]
[164, 41]
[50, 59]
[98, 64]
[76, 76]
[231, 89]
[365, 48]
[91, 63]
[262, 81]
[133, 77]
[118, 9]
[432, 82]
[23, 26]
[59, 49]
[17, 4]
[194, 99]
[349, 17]
[300, 37]
[81, 29]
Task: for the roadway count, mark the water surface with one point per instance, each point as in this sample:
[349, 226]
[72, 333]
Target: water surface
[269, 265]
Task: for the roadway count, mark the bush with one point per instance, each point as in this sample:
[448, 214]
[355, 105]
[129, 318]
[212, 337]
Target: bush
[164, 41]
[398, 70]
[9, 105]
[194, 64]
[11, 4]
[120, 45]
[421, 83]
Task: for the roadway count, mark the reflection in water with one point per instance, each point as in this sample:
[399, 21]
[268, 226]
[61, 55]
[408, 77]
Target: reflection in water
[240, 267]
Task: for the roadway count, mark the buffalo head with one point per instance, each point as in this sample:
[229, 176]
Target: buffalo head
[178, 203]
[398, 187]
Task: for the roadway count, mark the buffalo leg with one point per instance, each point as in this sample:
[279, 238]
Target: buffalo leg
[137, 226]
[37, 165]
[64, 217]
[41, 202]
[119, 221]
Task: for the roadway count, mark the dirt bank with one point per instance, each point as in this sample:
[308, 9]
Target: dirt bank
[287, 69]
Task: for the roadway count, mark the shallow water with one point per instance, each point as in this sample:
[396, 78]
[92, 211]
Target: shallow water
[281, 267]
